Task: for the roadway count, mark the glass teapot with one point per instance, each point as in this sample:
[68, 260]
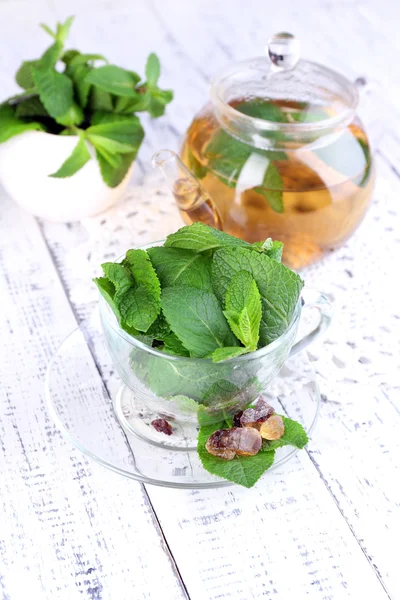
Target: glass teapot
[278, 152]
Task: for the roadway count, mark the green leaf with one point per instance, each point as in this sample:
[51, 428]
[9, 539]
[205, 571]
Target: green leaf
[200, 237]
[143, 272]
[31, 107]
[101, 117]
[271, 248]
[127, 131]
[51, 56]
[139, 305]
[111, 146]
[279, 287]
[48, 30]
[98, 98]
[79, 157]
[11, 126]
[186, 405]
[113, 79]
[114, 169]
[82, 59]
[157, 102]
[226, 353]
[82, 87]
[107, 290]
[24, 76]
[55, 91]
[261, 109]
[197, 319]
[152, 69]
[294, 435]
[243, 309]
[69, 55]
[63, 29]
[74, 116]
[176, 266]
[272, 188]
[243, 470]
[120, 276]
[173, 345]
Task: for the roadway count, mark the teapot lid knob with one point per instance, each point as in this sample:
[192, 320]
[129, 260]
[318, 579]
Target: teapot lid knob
[284, 51]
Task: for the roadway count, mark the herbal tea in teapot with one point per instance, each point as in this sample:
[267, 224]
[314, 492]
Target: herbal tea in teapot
[279, 152]
[310, 198]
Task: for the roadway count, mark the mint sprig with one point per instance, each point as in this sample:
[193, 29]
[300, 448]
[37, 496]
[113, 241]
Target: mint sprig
[247, 470]
[66, 90]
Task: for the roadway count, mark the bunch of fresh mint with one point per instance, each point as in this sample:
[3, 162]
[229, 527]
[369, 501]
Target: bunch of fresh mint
[66, 94]
[204, 294]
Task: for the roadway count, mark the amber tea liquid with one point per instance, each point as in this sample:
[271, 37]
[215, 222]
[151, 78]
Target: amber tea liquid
[324, 192]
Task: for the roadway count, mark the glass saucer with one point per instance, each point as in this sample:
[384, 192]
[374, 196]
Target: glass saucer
[104, 419]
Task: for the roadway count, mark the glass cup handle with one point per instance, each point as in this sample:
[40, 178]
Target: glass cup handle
[311, 300]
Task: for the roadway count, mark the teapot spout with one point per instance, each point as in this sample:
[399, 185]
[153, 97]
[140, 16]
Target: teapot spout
[192, 200]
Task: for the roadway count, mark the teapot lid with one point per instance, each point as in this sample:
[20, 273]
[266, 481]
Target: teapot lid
[283, 92]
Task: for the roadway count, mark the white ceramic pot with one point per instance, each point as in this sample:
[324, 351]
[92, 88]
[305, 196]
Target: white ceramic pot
[27, 160]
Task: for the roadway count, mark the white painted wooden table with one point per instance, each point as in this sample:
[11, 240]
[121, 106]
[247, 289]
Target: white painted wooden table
[324, 527]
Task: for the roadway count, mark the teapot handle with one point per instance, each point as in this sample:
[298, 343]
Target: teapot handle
[312, 299]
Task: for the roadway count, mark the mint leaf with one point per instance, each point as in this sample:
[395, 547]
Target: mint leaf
[173, 345]
[82, 59]
[221, 354]
[186, 405]
[129, 131]
[51, 56]
[272, 188]
[273, 249]
[261, 109]
[69, 55]
[79, 157]
[200, 237]
[243, 309]
[139, 305]
[226, 157]
[197, 319]
[115, 80]
[152, 69]
[294, 435]
[176, 266]
[82, 87]
[114, 171]
[140, 266]
[107, 290]
[120, 276]
[62, 30]
[10, 125]
[279, 287]
[55, 91]
[243, 470]
[99, 99]
[31, 107]
[156, 101]
[24, 76]
[73, 116]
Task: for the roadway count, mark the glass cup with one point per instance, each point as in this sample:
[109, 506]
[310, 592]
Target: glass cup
[188, 392]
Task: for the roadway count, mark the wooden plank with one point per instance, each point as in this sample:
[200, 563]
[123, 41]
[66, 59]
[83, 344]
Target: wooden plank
[197, 41]
[61, 530]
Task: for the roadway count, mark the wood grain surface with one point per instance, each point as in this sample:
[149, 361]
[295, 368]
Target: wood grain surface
[325, 526]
